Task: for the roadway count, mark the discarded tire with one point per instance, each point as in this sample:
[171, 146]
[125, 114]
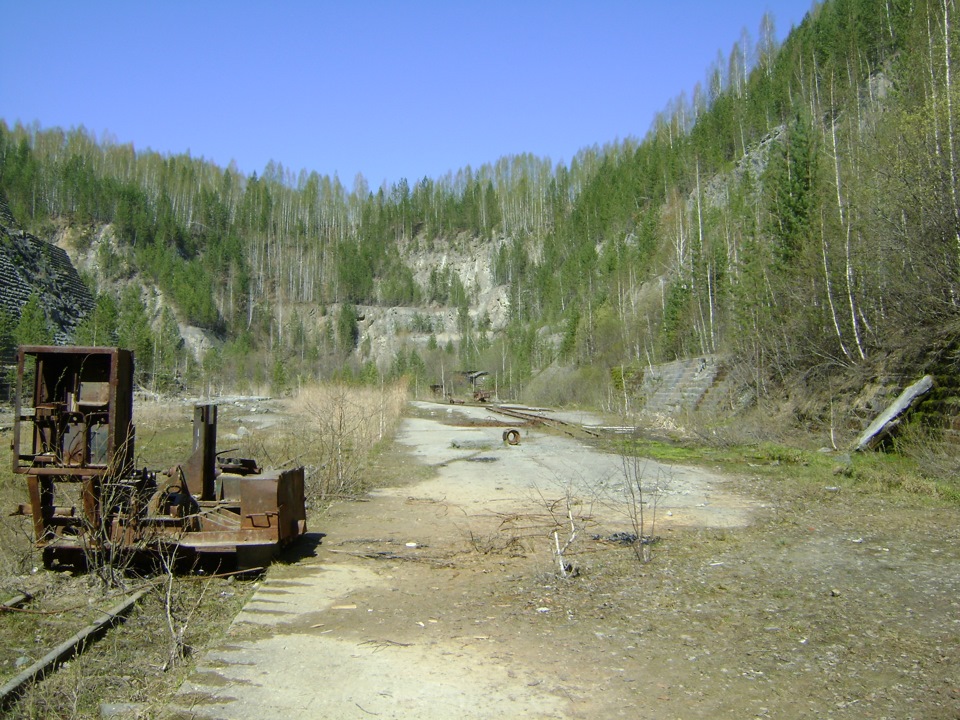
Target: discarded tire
[511, 437]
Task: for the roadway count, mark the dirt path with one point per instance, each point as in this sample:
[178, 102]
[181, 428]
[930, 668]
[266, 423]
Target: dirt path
[439, 596]
[408, 608]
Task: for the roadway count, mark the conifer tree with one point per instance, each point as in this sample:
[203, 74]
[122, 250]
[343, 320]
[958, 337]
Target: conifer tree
[134, 333]
[7, 327]
[32, 328]
[99, 327]
[791, 179]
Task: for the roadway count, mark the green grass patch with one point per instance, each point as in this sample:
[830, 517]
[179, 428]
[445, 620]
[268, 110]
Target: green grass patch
[731, 455]
[893, 472]
[662, 451]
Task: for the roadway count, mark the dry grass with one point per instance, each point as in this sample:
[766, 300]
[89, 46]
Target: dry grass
[17, 554]
[132, 662]
[164, 434]
[346, 425]
[334, 431]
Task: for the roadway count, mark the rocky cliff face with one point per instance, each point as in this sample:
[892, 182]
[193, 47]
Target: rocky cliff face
[28, 266]
[385, 330]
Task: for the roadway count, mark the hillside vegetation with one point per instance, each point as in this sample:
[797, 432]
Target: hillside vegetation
[797, 213]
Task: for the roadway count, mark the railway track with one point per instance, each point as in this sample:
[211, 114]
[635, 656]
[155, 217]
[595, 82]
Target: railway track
[74, 645]
[538, 417]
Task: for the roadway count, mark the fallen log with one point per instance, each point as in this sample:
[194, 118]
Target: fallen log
[891, 417]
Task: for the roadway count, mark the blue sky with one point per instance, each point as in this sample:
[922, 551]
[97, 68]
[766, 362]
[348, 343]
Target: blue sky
[389, 89]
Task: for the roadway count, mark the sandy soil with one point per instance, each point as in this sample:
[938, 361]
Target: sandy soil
[441, 596]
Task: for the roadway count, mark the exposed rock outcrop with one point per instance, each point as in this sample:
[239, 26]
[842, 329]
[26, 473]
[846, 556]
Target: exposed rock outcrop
[28, 266]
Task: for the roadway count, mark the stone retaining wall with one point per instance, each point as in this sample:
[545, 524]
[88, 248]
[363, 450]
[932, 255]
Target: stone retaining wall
[30, 265]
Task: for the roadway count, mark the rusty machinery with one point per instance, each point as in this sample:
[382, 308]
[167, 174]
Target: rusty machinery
[73, 439]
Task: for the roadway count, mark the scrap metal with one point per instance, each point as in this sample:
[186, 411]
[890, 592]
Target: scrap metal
[74, 440]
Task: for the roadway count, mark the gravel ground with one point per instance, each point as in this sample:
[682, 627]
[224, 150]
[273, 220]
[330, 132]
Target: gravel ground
[441, 595]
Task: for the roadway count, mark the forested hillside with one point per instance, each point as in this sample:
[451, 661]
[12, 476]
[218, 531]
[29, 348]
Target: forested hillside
[797, 213]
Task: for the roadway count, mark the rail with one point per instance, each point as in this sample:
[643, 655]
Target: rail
[67, 649]
[536, 417]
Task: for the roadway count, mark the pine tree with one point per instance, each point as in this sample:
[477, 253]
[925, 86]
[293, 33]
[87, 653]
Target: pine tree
[32, 328]
[348, 331]
[134, 333]
[7, 326]
[791, 182]
[279, 377]
[169, 349]
[99, 327]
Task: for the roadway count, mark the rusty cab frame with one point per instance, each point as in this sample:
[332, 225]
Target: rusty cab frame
[74, 440]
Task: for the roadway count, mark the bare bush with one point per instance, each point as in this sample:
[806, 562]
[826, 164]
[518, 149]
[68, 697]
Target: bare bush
[643, 492]
[18, 552]
[934, 458]
[569, 516]
[345, 425]
[117, 503]
[567, 387]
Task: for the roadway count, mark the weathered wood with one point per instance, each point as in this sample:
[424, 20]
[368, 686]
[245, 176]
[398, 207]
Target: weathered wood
[890, 418]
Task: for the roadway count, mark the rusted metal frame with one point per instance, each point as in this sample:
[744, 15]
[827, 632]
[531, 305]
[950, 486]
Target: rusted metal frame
[205, 448]
[68, 474]
[58, 400]
[72, 400]
[41, 503]
[17, 414]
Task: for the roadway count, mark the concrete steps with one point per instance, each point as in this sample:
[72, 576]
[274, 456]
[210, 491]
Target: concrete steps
[682, 385]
